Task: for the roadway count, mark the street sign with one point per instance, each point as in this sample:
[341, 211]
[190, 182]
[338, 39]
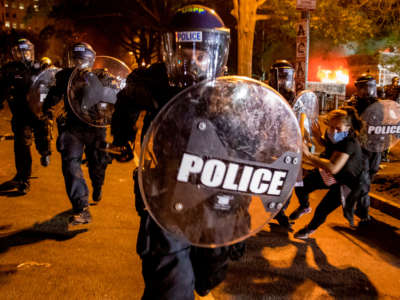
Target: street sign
[301, 29]
[301, 47]
[306, 4]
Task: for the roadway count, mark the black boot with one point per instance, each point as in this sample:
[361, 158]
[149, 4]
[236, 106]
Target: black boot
[97, 194]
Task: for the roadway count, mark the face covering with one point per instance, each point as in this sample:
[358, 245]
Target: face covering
[338, 136]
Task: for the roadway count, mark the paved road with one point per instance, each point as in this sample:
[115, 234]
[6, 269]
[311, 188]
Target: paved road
[42, 258]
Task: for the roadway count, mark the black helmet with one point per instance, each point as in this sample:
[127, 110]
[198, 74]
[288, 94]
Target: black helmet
[366, 86]
[196, 47]
[81, 55]
[23, 51]
[281, 77]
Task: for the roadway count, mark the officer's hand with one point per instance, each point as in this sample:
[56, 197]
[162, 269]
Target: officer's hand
[120, 153]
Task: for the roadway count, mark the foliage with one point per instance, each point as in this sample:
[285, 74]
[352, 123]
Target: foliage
[359, 25]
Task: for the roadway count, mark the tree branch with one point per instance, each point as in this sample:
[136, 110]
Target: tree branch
[235, 10]
[262, 17]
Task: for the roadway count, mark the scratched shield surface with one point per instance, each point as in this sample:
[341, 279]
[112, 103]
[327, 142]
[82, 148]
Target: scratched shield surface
[92, 93]
[220, 160]
[39, 90]
[382, 126]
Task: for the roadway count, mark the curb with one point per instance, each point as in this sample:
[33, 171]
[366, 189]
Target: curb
[385, 205]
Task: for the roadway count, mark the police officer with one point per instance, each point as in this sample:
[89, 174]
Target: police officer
[366, 95]
[392, 91]
[281, 78]
[196, 48]
[77, 137]
[15, 81]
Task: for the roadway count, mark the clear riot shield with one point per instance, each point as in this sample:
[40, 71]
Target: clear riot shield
[220, 160]
[306, 108]
[92, 93]
[382, 128]
[39, 90]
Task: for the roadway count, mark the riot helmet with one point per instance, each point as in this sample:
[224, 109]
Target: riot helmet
[281, 77]
[196, 46]
[23, 51]
[81, 55]
[45, 62]
[366, 86]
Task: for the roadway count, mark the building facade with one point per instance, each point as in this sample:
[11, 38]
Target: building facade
[22, 15]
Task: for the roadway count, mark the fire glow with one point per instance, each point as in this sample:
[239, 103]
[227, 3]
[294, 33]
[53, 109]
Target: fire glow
[329, 69]
[339, 75]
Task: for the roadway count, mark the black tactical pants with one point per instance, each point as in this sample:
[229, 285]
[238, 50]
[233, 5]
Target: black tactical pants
[72, 143]
[172, 269]
[23, 129]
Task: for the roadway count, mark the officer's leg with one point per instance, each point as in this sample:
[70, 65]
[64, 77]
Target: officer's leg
[97, 162]
[71, 149]
[166, 266]
[23, 157]
[210, 267]
[42, 131]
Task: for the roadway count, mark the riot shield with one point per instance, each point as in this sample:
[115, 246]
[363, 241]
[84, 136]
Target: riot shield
[382, 130]
[306, 109]
[39, 90]
[220, 160]
[114, 66]
[92, 93]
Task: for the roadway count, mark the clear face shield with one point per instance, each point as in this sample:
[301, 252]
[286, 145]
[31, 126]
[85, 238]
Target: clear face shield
[282, 79]
[81, 58]
[366, 90]
[193, 56]
[23, 52]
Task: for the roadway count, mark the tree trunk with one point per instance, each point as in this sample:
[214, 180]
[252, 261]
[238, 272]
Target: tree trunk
[246, 27]
[245, 12]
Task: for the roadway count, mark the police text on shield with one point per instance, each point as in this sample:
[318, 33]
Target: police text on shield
[215, 173]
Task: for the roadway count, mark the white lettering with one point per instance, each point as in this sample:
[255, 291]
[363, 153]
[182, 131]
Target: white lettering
[230, 177]
[371, 129]
[189, 164]
[384, 129]
[245, 179]
[189, 36]
[213, 173]
[256, 185]
[277, 183]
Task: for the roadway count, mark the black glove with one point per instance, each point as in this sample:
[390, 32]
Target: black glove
[120, 153]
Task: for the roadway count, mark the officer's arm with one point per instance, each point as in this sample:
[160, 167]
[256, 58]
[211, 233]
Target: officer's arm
[123, 123]
[55, 94]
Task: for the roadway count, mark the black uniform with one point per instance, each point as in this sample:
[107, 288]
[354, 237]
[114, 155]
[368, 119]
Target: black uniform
[15, 81]
[171, 268]
[75, 138]
[371, 161]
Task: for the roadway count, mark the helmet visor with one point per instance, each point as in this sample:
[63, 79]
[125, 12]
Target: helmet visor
[282, 79]
[80, 57]
[192, 56]
[366, 90]
[23, 52]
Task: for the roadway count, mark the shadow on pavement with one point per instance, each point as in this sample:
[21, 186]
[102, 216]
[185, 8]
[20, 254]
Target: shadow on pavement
[9, 188]
[262, 279]
[57, 228]
[378, 235]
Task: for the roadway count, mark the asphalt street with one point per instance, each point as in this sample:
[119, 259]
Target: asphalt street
[42, 257]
